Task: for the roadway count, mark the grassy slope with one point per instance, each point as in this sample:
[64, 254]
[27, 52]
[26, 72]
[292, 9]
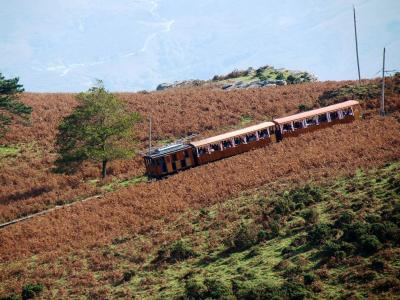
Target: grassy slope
[365, 193]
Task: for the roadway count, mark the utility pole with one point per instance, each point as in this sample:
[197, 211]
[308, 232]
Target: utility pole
[149, 135]
[383, 85]
[355, 35]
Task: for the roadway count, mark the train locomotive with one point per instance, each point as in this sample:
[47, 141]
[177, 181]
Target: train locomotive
[181, 156]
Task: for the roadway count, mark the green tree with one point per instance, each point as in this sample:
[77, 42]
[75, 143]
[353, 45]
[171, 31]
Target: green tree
[9, 104]
[99, 129]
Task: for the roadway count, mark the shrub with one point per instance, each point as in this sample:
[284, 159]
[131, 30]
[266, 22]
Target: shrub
[353, 232]
[11, 297]
[195, 289]
[217, 289]
[30, 291]
[373, 218]
[309, 278]
[303, 107]
[311, 216]
[242, 238]
[294, 291]
[127, 276]
[275, 229]
[385, 231]
[369, 244]
[319, 234]
[181, 251]
[378, 265]
[346, 218]
[283, 206]
[249, 290]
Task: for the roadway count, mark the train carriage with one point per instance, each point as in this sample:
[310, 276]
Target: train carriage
[294, 125]
[234, 142]
[169, 159]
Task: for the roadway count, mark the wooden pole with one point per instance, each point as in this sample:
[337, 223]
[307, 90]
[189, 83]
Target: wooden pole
[355, 35]
[149, 135]
[383, 85]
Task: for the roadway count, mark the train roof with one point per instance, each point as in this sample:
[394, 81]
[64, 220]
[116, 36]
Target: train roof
[229, 135]
[169, 149]
[314, 112]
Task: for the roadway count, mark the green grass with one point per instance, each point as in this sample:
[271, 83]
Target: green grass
[116, 184]
[258, 263]
[6, 151]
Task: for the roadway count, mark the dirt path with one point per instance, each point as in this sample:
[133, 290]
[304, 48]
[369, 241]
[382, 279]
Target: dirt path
[44, 212]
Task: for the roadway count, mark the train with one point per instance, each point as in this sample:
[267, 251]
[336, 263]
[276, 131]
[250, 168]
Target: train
[170, 159]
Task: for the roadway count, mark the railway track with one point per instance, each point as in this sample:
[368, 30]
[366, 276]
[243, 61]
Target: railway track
[47, 211]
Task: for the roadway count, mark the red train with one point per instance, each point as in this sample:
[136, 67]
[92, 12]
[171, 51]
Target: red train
[177, 157]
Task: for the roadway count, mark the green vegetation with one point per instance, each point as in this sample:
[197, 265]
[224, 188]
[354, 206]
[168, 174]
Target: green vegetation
[363, 92]
[9, 104]
[116, 184]
[265, 73]
[335, 240]
[99, 129]
[29, 291]
[6, 151]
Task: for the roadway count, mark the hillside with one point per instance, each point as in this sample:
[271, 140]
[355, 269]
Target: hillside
[253, 224]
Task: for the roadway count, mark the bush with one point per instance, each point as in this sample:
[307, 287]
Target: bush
[369, 244]
[294, 291]
[195, 289]
[283, 206]
[378, 265]
[311, 216]
[319, 234]
[11, 297]
[346, 218]
[385, 231]
[127, 276]
[30, 291]
[309, 278]
[338, 249]
[181, 251]
[243, 238]
[217, 289]
[248, 290]
[354, 232]
[275, 229]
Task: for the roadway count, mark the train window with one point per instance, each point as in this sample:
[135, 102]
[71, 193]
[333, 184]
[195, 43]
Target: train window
[311, 121]
[287, 127]
[202, 151]
[298, 125]
[186, 153]
[174, 157]
[251, 137]
[215, 147]
[262, 134]
[239, 140]
[334, 115]
[227, 144]
[183, 163]
[347, 112]
[174, 166]
[322, 118]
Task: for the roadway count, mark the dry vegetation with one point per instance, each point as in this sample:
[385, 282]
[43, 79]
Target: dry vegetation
[61, 241]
